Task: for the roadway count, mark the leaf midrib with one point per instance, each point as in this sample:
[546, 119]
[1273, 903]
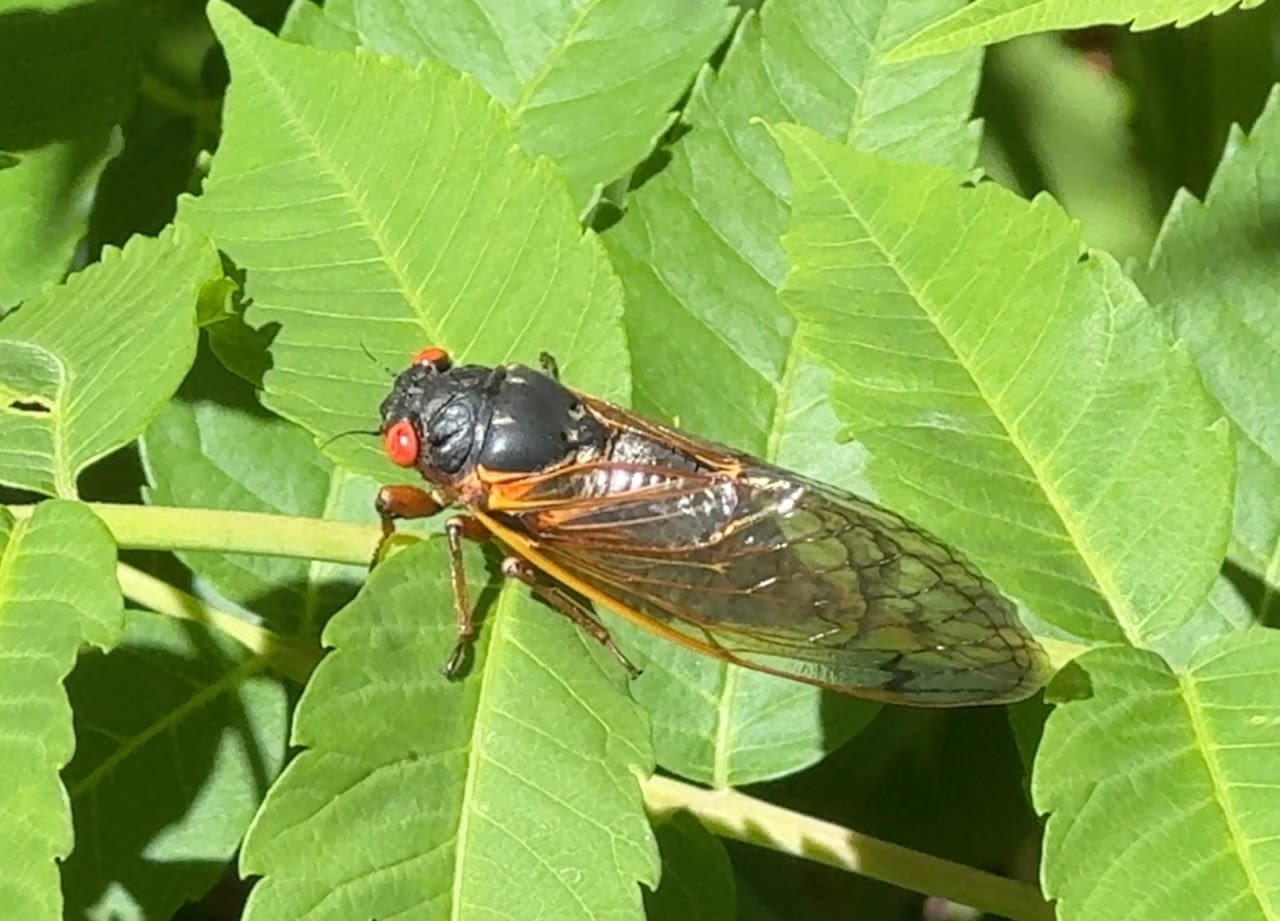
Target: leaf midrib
[398, 271]
[532, 85]
[475, 751]
[9, 555]
[1124, 615]
[1207, 748]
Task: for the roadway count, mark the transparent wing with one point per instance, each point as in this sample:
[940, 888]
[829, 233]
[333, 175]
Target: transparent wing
[779, 573]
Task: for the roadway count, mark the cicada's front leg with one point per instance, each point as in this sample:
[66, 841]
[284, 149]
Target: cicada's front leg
[396, 502]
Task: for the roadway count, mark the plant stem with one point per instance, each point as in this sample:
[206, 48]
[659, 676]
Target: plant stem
[155, 527]
[289, 657]
[735, 815]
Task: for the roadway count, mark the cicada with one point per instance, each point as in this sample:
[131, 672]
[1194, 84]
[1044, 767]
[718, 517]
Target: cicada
[701, 544]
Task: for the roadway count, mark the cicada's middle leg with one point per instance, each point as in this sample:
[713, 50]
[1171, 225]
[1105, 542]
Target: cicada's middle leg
[395, 502]
[457, 528]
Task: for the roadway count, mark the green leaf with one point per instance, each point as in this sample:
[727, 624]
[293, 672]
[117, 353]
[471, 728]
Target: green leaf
[45, 202]
[173, 701]
[1054, 122]
[330, 26]
[528, 766]
[713, 345]
[1224, 610]
[1183, 91]
[1167, 768]
[57, 590]
[72, 66]
[215, 447]
[986, 22]
[354, 237]
[588, 84]
[71, 75]
[1212, 275]
[1017, 399]
[697, 880]
[86, 365]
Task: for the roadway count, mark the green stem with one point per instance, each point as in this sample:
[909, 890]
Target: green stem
[155, 527]
[731, 814]
[288, 657]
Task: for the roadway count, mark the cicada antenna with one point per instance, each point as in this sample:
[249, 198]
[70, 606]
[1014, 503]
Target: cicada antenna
[329, 441]
[377, 364]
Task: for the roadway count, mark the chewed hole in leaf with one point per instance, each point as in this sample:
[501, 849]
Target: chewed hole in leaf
[31, 378]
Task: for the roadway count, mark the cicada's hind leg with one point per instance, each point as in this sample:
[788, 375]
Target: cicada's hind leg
[395, 502]
[516, 568]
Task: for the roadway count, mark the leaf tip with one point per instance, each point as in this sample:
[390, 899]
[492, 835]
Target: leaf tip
[222, 14]
[228, 22]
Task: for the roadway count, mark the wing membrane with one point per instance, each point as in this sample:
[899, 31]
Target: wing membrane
[779, 573]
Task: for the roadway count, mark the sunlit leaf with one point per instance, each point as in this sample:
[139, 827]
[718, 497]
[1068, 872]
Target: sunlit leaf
[990, 388]
[354, 239]
[86, 365]
[57, 590]
[1167, 768]
[986, 22]
[588, 84]
[1212, 275]
[455, 799]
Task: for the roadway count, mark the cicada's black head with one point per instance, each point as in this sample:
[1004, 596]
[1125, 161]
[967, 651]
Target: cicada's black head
[447, 420]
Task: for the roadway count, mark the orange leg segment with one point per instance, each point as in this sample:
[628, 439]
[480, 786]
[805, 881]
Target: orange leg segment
[395, 502]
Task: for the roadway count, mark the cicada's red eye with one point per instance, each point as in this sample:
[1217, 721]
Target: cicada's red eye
[400, 442]
[435, 358]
